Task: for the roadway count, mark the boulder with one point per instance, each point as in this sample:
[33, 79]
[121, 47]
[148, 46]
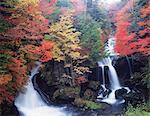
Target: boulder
[89, 94]
[66, 94]
[104, 91]
[134, 98]
[89, 89]
[94, 85]
[8, 110]
[120, 93]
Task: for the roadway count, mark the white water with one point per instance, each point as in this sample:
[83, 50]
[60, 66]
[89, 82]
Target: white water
[29, 102]
[114, 82]
[113, 77]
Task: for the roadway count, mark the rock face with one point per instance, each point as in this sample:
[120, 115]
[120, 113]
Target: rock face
[139, 91]
[120, 93]
[128, 66]
[8, 110]
[60, 89]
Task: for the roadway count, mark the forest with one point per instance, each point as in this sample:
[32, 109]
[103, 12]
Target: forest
[59, 47]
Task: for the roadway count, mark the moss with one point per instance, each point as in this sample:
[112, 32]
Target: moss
[89, 94]
[92, 105]
[87, 104]
[141, 110]
[67, 91]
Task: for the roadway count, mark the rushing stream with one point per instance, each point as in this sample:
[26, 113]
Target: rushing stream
[29, 102]
[108, 94]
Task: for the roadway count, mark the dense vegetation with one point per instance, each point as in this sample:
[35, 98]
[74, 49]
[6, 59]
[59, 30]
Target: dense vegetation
[132, 39]
[28, 33]
[68, 31]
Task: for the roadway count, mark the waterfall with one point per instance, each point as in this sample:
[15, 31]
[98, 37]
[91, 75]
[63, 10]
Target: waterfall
[130, 68]
[114, 82]
[30, 103]
[108, 94]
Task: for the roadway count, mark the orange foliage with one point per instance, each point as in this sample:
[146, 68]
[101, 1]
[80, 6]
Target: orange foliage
[6, 94]
[42, 52]
[47, 8]
[81, 79]
[24, 43]
[145, 11]
[5, 78]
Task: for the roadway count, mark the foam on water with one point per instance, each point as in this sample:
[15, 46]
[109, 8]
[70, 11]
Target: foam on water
[110, 98]
[30, 103]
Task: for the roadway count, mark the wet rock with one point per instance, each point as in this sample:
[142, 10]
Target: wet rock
[94, 85]
[53, 72]
[9, 110]
[66, 94]
[83, 87]
[127, 66]
[89, 94]
[104, 92]
[87, 104]
[89, 89]
[134, 97]
[120, 93]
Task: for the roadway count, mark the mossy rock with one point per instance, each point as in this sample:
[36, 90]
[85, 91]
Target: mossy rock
[67, 91]
[94, 85]
[87, 104]
[89, 94]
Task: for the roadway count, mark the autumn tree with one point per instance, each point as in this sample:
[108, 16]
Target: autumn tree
[90, 37]
[67, 48]
[21, 35]
[132, 28]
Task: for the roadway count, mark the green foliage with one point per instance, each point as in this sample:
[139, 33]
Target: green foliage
[87, 104]
[146, 76]
[54, 16]
[4, 58]
[90, 37]
[49, 37]
[4, 25]
[92, 105]
[63, 3]
[100, 15]
[141, 110]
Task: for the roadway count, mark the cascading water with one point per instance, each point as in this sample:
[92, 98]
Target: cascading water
[29, 103]
[108, 94]
[130, 68]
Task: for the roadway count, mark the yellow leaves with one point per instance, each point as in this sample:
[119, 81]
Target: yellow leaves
[66, 38]
[57, 53]
[67, 65]
[21, 3]
[74, 46]
[81, 70]
[26, 3]
[74, 55]
[5, 78]
[67, 44]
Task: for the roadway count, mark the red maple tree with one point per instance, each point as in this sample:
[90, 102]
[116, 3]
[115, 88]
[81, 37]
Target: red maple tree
[22, 43]
[131, 34]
